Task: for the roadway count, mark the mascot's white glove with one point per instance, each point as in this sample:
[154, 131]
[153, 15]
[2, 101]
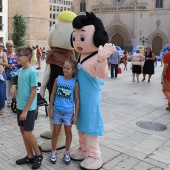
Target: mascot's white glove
[45, 80]
[105, 52]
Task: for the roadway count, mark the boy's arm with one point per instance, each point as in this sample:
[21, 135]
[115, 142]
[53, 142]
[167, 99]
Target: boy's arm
[29, 102]
[52, 97]
[13, 90]
[77, 101]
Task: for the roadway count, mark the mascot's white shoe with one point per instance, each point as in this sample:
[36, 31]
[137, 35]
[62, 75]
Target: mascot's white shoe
[46, 145]
[46, 134]
[91, 163]
[79, 155]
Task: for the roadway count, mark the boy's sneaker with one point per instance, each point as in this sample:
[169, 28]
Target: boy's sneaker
[37, 161]
[25, 160]
[53, 157]
[67, 158]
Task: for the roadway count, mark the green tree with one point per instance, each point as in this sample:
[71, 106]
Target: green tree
[19, 30]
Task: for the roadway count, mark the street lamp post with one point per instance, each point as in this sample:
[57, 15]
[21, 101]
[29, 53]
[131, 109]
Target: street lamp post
[143, 40]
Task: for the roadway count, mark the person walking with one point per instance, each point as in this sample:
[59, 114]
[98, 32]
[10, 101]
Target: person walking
[34, 57]
[165, 78]
[114, 61]
[136, 58]
[64, 97]
[26, 106]
[3, 63]
[12, 67]
[39, 54]
[148, 67]
[43, 54]
[161, 57]
[125, 59]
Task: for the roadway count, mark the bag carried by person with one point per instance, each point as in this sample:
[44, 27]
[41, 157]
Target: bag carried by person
[119, 70]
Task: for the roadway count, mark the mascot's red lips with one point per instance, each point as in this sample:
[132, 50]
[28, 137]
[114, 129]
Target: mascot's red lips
[79, 48]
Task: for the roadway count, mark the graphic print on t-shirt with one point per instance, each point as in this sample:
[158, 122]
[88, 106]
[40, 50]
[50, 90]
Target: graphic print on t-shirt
[64, 91]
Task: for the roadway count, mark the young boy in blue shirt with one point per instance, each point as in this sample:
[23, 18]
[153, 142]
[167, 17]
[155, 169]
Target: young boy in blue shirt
[26, 95]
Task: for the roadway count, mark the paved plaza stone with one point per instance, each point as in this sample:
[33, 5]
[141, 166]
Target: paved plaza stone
[125, 146]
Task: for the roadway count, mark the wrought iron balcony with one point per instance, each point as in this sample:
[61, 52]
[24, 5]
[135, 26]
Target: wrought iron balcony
[1, 27]
[1, 7]
[123, 7]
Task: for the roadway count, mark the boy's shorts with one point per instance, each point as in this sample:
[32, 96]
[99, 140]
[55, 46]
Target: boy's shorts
[28, 124]
[62, 117]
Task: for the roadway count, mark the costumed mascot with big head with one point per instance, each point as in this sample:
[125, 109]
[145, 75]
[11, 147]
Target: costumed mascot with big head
[89, 38]
[61, 50]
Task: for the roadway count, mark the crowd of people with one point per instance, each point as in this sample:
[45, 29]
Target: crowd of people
[140, 63]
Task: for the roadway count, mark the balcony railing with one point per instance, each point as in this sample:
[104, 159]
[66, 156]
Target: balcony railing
[126, 7]
[1, 27]
[1, 7]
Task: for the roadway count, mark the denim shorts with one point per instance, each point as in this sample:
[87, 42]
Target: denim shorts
[28, 124]
[62, 117]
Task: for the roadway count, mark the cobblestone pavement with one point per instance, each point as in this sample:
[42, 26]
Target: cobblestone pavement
[125, 146]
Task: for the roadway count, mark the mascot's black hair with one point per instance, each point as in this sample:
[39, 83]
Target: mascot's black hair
[100, 35]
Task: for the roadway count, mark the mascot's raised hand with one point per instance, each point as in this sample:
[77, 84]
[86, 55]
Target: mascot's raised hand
[105, 51]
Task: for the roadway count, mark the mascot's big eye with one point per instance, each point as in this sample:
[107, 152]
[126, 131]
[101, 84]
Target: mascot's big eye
[82, 38]
[73, 38]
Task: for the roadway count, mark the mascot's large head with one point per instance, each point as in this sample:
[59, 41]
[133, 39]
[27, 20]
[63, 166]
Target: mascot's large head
[59, 35]
[88, 34]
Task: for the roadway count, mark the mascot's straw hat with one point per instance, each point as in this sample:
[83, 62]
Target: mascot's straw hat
[66, 16]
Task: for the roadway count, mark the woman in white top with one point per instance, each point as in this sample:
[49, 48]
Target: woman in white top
[3, 62]
[136, 58]
[34, 57]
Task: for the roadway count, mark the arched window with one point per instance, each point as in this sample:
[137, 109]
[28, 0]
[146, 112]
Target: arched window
[82, 6]
[159, 3]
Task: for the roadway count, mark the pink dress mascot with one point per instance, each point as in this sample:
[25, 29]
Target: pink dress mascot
[89, 38]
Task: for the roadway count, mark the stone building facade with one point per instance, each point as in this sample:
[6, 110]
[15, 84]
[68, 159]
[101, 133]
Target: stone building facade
[3, 21]
[37, 14]
[129, 22]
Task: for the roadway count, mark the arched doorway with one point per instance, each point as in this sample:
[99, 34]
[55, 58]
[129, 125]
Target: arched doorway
[157, 45]
[120, 36]
[118, 40]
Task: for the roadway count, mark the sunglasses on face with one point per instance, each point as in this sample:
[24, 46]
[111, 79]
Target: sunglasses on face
[9, 47]
[1, 46]
[21, 55]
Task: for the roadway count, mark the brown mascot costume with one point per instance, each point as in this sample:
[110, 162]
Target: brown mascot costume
[61, 50]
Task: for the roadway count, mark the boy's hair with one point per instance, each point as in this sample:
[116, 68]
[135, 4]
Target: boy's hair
[25, 50]
[74, 65]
